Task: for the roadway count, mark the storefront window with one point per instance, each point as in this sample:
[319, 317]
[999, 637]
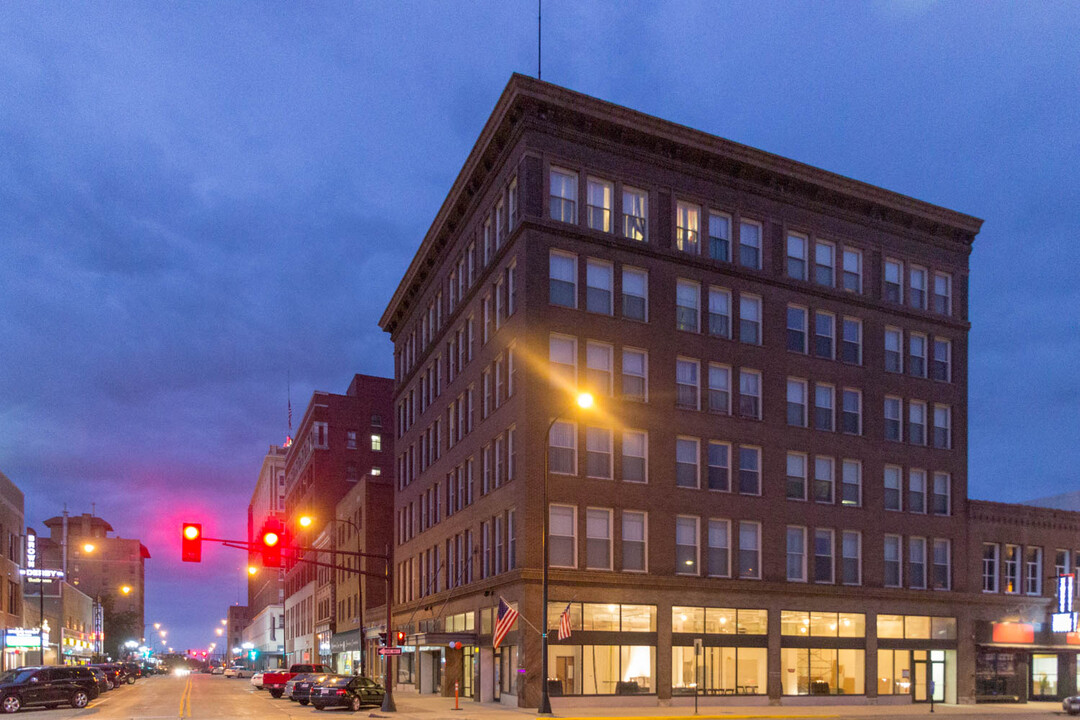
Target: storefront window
[605, 617]
[890, 626]
[917, 627]
[996, 676]
[894, 672]
[687, 619]
[719, 621]
[724, 670]
[1044, 675]
[818, 624]
[753, 622]
[508, 666]
[793, 622]
[822, 671]
[602, 669]
[639, 618]
[600, 617]
[943, 628]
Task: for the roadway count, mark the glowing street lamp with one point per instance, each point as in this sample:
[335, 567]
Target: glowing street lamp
[219, 631]
[126, 589]
[162, 633]
[252, 570]
[306, 521]
[88, 547]
[157, 626]
[224, 621]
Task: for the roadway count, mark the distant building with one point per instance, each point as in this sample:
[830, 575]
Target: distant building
[1064, 501]
[236, 619]
[266, 590]
[12, 523]
[340, 439]
[69, 615]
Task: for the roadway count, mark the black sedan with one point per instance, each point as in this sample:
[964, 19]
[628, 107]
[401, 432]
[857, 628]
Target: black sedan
[350, 692]
[48, 686]
[302, 690]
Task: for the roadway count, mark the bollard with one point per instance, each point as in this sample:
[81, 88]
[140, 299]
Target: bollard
[456, 706]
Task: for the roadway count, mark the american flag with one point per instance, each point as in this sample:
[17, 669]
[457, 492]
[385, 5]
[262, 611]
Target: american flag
[564, 623]
[506, 619]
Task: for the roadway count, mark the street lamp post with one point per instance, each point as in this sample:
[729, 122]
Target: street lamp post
[584, 401]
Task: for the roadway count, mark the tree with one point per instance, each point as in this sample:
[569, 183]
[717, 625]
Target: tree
[119, 627]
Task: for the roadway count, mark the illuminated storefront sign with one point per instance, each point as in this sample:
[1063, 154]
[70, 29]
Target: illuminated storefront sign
[1013, 633]
[22, 638]
[1064, 620]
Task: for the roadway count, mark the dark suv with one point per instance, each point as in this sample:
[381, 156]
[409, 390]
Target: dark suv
[48, 686]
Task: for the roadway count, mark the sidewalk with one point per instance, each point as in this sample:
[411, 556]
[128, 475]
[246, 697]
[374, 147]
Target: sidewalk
[412, 707]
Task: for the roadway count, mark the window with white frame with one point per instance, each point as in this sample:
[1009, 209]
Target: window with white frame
[598, 453]
[796, 554]
[634, 374]
[719, 466]
[562, 352]
[851, 483]
[824, 478]
[750, 319]
[635, 212]
[990, 567]
[687, 227]
[917, 563]
[917, 354]
[795, 483]
[824, 407]
[750, 550]
[562, 536]
[719, 320]
[851, 343]
[687, 454]
[825, 263]
[917, 422]
[562, 449]
[598, 286]
[719, 237]
[687, 305]
[917, 491]
[686, 545]
[634, 541]
[796, 328]
[635, 294]
[719, 389]
[943, 564]
[718, 559]
[597, 539]
[894, 281]
[1012, 569]
[941, 366]
[749, 470]
[917, 287]
[1061, 562]
[635, 452]
[562, 280]
[599, 198]
[598, 367]
[892, 411]
[750, 244]
[943, 293]
[796, 402]
[687, 384]
[851, 412]
[750, 394]
[942, 426]
[852, 270]
[851, 557]
[894, 352]
[1033, 566]
[942, 495]
[894, 557]
[824, 335]
[824, 568]
[563, 197]
[796, 256]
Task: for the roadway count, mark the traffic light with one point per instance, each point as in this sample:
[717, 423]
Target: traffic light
[271, 540]
[191, 542]
[399, 638]
[382, 639]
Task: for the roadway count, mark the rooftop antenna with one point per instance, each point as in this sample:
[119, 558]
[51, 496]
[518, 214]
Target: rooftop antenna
[289, 393]
[539, 43]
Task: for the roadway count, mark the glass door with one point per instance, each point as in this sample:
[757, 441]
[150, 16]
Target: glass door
[937, 674]
[919, 685]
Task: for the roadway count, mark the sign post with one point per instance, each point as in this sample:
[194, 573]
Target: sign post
[697, 672]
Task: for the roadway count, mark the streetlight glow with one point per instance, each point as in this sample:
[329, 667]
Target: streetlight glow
[88, 547]
[306, 520]
[219, 631]
[585, 400]
[157, 626]
[252, 570]
[126, 589]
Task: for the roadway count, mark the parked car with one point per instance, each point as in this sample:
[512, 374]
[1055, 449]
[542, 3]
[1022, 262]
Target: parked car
[219, 670]
[132, 671]
[257, 680]
[301, 692]
[275, 680]
[48, 686]
[290, 686]
[1071, 705]
[112, 672]
[237, 671]
[103, 683]
[350, 692]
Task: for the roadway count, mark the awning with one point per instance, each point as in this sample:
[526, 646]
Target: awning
[465, 638]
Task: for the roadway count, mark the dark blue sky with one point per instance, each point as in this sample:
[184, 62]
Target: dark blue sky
[197, 199]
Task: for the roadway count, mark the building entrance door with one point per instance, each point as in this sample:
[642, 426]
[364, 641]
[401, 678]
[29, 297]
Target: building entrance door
[564, 671]
[929, 675]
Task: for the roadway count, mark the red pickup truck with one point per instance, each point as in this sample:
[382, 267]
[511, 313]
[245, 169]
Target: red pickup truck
[275, 681]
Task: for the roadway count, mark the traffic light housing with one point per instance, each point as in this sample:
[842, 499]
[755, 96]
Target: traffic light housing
[399, 638]
[382, 639]
[271, 540]
[191, 542]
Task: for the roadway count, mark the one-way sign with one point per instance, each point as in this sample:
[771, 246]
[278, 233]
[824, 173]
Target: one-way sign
[390, 651]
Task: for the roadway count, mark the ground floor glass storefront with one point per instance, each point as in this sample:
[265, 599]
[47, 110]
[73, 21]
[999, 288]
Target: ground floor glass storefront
[719, 670]
[602, 670]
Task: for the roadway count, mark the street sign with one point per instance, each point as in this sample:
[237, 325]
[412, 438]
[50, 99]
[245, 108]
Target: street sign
[390, 651]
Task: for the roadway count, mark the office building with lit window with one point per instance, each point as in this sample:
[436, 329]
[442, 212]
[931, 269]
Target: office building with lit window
[776, 461]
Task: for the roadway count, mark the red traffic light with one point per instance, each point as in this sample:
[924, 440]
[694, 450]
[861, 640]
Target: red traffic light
[191, 542]
[399, 638]
[271, 539]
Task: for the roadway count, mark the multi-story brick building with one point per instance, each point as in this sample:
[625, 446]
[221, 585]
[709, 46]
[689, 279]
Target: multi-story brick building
[341, 438]
[778, 454]
[12, 522]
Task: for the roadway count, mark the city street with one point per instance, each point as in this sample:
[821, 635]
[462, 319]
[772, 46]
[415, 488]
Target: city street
[216, 698]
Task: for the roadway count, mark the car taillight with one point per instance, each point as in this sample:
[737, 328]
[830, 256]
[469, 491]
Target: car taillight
[340, 692]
